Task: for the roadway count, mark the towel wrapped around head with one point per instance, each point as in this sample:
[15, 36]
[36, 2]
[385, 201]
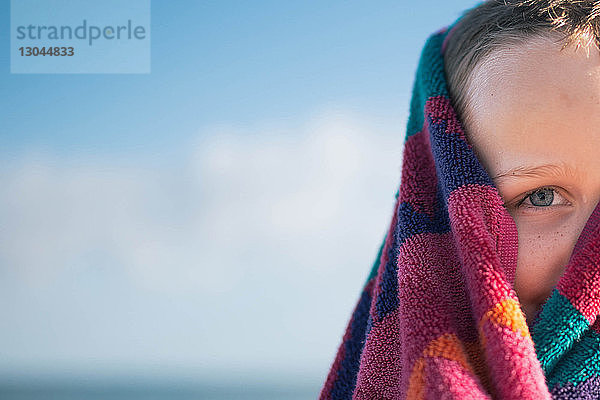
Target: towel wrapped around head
[438, 317]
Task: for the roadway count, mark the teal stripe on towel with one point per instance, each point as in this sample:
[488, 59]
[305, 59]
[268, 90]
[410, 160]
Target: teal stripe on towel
[430, 82]
[559, 326]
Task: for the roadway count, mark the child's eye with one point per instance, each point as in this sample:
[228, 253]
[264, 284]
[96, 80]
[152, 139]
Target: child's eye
[542, 197]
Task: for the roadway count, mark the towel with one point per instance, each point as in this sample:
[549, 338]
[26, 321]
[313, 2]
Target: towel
[438, 317]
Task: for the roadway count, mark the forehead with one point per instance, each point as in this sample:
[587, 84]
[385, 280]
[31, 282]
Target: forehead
[535, 103]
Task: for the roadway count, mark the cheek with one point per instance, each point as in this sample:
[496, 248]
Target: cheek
[542, 256]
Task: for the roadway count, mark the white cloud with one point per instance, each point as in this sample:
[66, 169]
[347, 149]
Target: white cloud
[244, 241]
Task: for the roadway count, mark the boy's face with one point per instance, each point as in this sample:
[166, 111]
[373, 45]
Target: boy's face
[535, 124]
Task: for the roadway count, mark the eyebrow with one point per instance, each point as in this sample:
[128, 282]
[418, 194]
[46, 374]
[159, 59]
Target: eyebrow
[537, 171]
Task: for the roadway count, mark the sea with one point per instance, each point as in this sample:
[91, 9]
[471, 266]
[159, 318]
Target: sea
[119, 390]
[108, 391]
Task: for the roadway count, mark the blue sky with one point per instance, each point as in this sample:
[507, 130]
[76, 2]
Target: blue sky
[218, 214]
[223, 61]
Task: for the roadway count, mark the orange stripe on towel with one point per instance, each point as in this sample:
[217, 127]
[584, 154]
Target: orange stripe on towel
[508, 314]
[447, 346]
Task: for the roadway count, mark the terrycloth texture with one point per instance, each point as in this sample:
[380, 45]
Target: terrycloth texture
[438, 317]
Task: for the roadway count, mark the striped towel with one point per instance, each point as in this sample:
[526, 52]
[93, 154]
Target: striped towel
[438, 317]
